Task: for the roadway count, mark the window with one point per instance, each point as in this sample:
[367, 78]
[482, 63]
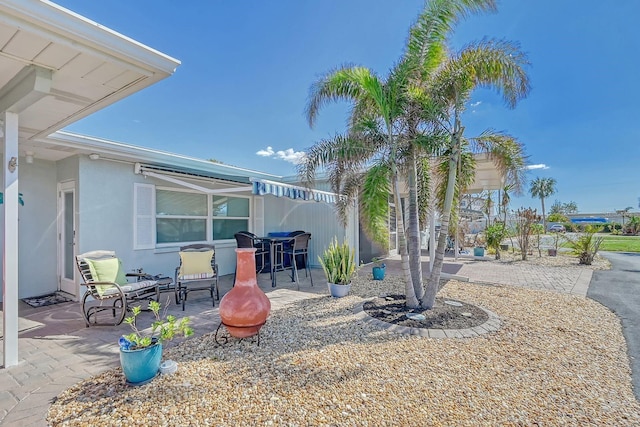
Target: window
[180, 216]
[183, 216]
[230, 215]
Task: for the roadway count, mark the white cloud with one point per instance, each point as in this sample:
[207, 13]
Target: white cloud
[291, 156]
[538, 166]
[288, 155]
[475, 104]
[266, 153]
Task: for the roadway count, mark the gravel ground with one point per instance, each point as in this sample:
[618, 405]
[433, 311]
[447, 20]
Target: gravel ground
[563, 259]
[557, 360]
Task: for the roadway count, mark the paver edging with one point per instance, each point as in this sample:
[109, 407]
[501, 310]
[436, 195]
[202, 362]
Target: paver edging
[492, 324]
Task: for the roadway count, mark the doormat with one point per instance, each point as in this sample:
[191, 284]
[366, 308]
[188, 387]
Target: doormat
[43, 300]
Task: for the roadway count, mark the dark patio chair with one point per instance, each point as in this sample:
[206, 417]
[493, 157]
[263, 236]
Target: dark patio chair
[299, 250]
[245, 239]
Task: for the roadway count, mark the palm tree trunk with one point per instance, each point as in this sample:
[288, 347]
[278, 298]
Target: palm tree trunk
[413, 227]
[434, 278]
[544, 218]
[410, 295]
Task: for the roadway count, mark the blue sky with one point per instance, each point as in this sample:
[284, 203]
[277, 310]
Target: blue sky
[247, 67]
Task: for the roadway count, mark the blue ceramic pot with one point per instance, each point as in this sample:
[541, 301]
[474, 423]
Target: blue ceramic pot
[141, 365]
[378, 272]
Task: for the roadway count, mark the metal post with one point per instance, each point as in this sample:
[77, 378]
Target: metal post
[10, 241]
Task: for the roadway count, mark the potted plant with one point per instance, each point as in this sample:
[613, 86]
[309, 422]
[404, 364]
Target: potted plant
[495, 233]
[554, 251]
[140, 352]
[379, 269]
[478, 249]
[339, 265]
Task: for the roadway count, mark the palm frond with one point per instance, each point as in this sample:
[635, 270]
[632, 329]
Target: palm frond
[374, 203]
[496, 64]
[329, 153]
[349, 83]
[426, 45]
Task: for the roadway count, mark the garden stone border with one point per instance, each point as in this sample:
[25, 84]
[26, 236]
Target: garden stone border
[491, 325]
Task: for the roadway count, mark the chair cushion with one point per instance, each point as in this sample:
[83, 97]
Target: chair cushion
[106, 270]
[196, 265]
[196, 276]
[130, 287]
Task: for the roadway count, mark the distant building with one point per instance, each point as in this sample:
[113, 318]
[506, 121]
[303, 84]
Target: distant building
[600, 217]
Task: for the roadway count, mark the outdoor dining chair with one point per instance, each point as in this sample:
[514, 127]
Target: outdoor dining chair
[298, 250]
[197, 271]
[245, 239]
[108, 288]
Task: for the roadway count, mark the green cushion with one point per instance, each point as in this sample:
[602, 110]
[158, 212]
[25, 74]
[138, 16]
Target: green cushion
[107, 270]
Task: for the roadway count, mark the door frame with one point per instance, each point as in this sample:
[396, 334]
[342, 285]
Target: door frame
[64, 284]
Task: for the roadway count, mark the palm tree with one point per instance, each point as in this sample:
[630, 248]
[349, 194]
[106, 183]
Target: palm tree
[624, 212]
[372, 144]
[543, 188]
[497, 64]
[391, 127]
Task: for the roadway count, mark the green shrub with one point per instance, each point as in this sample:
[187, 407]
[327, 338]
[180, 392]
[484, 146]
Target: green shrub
[586, 245]
[494, 234]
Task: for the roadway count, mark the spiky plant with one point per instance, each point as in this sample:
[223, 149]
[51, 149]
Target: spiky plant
[338, 262]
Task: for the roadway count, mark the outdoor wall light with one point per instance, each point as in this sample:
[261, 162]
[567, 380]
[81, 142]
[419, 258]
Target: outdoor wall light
[29, 157]
[13, 164]
[94, 156]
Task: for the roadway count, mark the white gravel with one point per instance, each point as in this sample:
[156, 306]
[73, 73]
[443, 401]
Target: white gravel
[557, 360]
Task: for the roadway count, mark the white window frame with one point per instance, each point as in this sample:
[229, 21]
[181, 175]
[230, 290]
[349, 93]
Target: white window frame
[213, 218]
[209, 218]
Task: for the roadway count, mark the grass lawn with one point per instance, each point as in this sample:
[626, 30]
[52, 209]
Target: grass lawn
[620, 243]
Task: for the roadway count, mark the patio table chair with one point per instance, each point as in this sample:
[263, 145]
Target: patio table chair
[299, 250]
[197, 267]
[108, 288]
[245, 239]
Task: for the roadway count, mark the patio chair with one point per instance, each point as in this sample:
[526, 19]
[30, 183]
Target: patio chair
[197, 267]
[245, 239]
[299, 251]
[108, 286]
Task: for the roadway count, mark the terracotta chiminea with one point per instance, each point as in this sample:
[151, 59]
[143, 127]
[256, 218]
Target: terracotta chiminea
[245, 308]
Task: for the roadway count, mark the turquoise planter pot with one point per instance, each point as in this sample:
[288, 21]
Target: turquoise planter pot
[142, 365]
[378, 272]
[478, 251]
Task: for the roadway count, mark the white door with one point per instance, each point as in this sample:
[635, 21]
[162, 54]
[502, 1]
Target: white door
[393, 230]
[67, 238]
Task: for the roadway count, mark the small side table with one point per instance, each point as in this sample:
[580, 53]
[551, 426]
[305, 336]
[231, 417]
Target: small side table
[165, 284]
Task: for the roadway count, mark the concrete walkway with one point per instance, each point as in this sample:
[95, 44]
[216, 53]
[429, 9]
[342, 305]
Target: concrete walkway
[573, 280]
[60, 352]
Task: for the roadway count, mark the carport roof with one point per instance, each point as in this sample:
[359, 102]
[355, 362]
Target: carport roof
[487, 177]
[90, 65]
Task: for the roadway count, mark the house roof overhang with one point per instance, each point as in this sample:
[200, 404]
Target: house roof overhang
[81, 65]
[487, 176]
